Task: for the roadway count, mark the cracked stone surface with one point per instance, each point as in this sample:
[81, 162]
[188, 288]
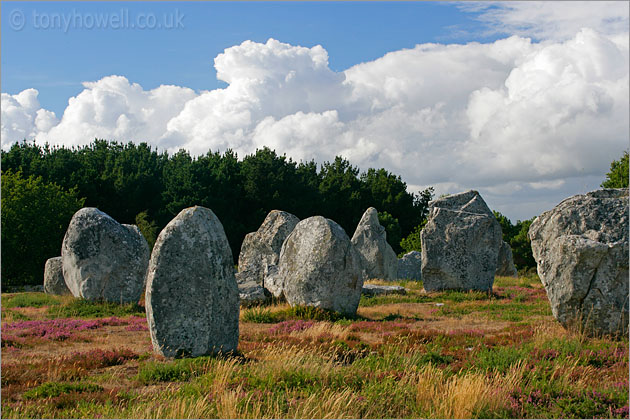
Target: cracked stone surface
[378, 259]
[460, 244]
[581, 251]
[320, 267]
[192, 300]
[103, 259]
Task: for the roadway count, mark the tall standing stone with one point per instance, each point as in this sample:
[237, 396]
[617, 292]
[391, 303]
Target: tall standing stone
[581, 251]
[192, 300]
[320, 267]
[378, 259]
[505, 261]
[103, 259]
[460, 244]
[54, 283]
[261, 249]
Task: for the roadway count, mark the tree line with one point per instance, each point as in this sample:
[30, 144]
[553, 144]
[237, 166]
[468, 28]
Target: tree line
[43, 186]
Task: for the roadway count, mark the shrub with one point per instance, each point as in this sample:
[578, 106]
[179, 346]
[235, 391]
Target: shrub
[30, 300]
[259, 315]
[82, 308]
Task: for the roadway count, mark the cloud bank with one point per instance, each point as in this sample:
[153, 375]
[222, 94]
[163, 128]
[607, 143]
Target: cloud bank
[525, 123]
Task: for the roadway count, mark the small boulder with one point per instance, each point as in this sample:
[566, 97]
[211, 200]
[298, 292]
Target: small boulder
[103, 259]
[378, 259]
[192, 300]
[581, 251]
[261, 249]
[410, 266]
[505, 262]
[252, 294]
[320, 267]
[54, 283]
[460, 244]
[371, 290]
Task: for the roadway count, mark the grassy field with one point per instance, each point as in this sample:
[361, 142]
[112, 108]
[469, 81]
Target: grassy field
[438, 355]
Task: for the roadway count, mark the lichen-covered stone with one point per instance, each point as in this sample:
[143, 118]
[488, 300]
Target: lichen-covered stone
[192, 300]
[460, 244]
[410, 266]
[54, 283]
[252, 294]
[371, 290]
[378, 259]
[581, 251]
[261, 249]
[103, 259]
[505, 261]
[320, 267]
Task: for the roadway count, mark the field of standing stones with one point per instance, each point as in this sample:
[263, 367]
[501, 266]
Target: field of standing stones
[195, 299]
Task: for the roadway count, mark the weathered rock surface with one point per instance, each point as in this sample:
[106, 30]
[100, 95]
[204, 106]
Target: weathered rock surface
[192, 300]
[378, 259]
[274, 282]
[378, 290]
[54, 283]
[460, 244]
[505, 262]
[320, 267]
[252, 294]
[103, 259]
[410, 266]
[261, 249]
[581, 250]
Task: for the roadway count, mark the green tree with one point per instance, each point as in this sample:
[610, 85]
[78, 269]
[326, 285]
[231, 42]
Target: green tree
[618, 175]
[412, 242]
[147, 227]
[392, 227]
[35, 216]
[522, 246]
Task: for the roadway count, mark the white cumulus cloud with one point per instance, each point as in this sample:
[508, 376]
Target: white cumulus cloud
[515, 119]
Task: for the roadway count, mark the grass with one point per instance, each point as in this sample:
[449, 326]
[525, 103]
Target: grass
[31, 299]
[438, 355]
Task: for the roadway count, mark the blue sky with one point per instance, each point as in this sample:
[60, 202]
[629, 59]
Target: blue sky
[526, 102]
[56, 62]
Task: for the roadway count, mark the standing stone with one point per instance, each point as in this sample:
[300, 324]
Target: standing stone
[460, 244]
[54, 283]
[410, 266]
[261, 249]
[378, 259]
[103, 259]
[320, 267]
[581, 250]
[192, 301]
[505, 262]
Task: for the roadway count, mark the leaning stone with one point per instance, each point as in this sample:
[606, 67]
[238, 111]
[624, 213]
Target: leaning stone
[103, 259]
[378, 259]
[54, 283]
[261, 249]
[505, 262]
[410, 266]
[460, 244]
[320, 267]
[192, 300]
[581, 251]
[371, 290]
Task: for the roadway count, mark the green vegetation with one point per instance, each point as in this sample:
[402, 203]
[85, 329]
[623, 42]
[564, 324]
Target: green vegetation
[54, 389]
[439, 355]
[516, 236]
[618, 175]
[35, 216]
[31, 299]
[136, 184]
[82, 308]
